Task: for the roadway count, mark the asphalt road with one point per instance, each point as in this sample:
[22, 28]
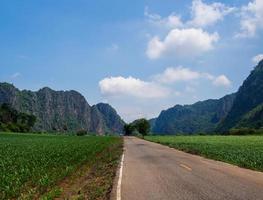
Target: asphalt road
[152, 171]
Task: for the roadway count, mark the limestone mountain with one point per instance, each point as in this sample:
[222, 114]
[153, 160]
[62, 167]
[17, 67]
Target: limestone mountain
[243, 109]
[252, 119]
[247, 107]
[201, 117]
[111, 117]
[61, 110]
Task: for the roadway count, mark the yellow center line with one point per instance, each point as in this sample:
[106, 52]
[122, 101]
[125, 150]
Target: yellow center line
[186, 167]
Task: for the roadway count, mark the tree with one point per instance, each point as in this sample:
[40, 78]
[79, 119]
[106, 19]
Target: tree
[128, 129]
[81, 132]
[142, 126]
[12, 120]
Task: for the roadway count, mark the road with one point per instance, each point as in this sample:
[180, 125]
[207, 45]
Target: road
[152, 171]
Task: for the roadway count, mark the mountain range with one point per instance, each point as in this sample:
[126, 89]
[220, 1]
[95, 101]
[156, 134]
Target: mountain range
[243, 109]
[65, 111]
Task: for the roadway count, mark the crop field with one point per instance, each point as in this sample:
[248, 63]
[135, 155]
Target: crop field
[244, 151]
[33, 166]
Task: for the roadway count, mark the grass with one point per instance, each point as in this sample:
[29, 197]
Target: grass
[244, 151]
[33, 165]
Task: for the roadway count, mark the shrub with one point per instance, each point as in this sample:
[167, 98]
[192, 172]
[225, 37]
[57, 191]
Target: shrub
[242, 131]
[139, 126]
[82, 132]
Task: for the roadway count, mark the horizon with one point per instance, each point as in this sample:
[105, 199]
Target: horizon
[127, 56]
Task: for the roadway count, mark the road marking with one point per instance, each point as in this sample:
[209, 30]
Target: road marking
[186, 167]
[120, 179]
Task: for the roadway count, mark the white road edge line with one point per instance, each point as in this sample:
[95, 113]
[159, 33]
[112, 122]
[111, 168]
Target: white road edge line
[120, 179]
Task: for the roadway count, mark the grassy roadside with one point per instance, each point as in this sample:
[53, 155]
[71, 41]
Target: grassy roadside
[243, 151]
[94, 180]
[37, 166]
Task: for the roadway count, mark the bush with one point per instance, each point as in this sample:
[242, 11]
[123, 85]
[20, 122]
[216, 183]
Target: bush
[128, 129]
[138, 127]
[82, 132]
[242, 131]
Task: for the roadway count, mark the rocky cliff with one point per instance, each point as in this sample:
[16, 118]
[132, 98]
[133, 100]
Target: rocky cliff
[247, 107]
[201, 117]
[61, 110]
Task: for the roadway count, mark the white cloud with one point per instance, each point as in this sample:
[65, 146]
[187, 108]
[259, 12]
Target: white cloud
[172, 74]
[137, 93]
[222, 80]
[251, 19]
[118, 86]
[182, 42]
[202, 15]
[256, 59]
[172, 21]
[15, 75]
[208, 14]
[181, 74]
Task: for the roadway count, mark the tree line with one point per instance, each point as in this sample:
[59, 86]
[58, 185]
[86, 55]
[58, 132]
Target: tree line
[13, 121]
[138, 127]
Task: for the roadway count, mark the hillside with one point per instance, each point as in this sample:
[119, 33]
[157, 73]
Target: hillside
[200, 117]
[245, 111]
[253, 119]
[11, 120]
[242, 109]
[111, 117]
[61, 110]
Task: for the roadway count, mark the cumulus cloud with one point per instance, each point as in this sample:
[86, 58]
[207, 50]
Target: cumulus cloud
[256, 59]
[160, 84]
[172, 21]
[117, 86]
[251, 19]
[208, 14]
[182, 74]
[182, 42]
[172, 74]
[222, 80]
[15, 75]
[202, 15]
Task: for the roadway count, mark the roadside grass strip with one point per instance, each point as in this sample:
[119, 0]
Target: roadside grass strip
[243, 151]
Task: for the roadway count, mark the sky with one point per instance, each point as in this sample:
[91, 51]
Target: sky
[140, 56]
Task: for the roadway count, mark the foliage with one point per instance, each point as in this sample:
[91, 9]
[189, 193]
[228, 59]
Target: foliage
[33, 164]
[81, 132]
[241, 131]
[128, 129]
[253, 119]
[140, 126]
[12, 120]
[245, 131]
[244, 151]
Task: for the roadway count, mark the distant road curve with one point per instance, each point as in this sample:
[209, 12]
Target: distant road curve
[155, 172]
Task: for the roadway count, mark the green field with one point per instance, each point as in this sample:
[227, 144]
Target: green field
[31, 166]
[244, 151]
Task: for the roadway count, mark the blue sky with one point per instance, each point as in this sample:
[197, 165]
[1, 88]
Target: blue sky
[139, 56]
